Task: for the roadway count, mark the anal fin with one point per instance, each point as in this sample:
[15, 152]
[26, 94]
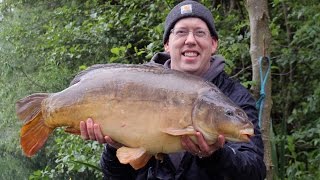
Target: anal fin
[136, 157]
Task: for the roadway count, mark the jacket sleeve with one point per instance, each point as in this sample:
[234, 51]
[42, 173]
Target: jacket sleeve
[241, 160]
[111, 167]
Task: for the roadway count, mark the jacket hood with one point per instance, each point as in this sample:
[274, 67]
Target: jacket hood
[217, 64]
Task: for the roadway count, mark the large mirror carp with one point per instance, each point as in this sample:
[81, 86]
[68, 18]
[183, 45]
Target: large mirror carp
[147, 108]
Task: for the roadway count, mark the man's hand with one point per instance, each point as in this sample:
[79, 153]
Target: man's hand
[202, 149]
[91, 131]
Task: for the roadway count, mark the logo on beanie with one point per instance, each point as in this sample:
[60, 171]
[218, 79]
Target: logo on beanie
[186, 9]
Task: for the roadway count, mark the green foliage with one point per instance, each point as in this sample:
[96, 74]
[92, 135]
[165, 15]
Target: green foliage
[73, 158]
[296, 87]
[43, 44]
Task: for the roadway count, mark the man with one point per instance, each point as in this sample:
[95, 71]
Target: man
[190, 40]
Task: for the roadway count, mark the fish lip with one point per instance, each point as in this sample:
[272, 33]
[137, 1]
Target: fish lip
[246, 134]
[245, 137]
[248, 131]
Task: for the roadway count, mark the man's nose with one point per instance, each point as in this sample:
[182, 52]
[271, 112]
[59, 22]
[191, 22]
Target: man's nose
[190, 38]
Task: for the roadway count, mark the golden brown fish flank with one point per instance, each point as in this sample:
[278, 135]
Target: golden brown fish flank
[152, 104]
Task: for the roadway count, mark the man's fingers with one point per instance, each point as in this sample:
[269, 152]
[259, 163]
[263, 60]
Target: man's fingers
[189, 145]
[184, 142]
[83, 130]
[112, 143]
[205, 149]
[221, 141]
[203, 146]
[90, 129]
[98, 134]
[219, 144]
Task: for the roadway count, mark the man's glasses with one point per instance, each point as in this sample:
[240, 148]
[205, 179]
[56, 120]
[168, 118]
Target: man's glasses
[183, 33]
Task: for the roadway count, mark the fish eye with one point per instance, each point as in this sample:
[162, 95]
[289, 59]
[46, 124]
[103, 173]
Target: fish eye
[229, 113]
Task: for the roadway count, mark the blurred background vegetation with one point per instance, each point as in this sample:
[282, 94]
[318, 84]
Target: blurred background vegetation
[43, 44]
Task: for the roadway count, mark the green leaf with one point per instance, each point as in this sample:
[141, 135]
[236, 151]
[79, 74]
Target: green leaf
[115, 51]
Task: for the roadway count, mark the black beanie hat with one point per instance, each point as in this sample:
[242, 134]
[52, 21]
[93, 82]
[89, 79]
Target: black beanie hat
[185, 9]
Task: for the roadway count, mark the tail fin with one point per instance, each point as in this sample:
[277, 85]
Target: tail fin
[34, 132]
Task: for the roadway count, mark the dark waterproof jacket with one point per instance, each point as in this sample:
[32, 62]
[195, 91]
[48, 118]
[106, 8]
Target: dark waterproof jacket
[234, 161]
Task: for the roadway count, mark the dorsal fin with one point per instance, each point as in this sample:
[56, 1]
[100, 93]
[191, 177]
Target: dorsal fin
[77, 78]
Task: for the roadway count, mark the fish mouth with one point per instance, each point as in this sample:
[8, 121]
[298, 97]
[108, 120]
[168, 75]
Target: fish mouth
[246, 134]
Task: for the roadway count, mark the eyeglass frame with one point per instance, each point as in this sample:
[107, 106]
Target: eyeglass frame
[194, 33]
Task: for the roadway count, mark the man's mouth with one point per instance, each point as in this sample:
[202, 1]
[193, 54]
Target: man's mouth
[190, 54]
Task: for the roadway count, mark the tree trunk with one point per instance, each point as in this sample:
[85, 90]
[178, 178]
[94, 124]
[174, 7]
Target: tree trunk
[259, 47]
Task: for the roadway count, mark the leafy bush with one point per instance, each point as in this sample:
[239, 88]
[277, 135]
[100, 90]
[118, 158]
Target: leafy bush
[43, 44]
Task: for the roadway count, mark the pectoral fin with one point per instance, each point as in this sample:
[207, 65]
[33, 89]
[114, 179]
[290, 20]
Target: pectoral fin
[136, 157]
[179, 132]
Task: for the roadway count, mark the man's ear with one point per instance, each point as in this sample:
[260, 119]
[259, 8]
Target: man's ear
[214, 45]
[166, 47]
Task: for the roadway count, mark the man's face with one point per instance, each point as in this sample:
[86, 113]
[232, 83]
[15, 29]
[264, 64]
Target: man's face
[191, 52]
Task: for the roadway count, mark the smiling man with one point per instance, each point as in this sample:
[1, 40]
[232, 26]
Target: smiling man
[190, 41]
[190, 46]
